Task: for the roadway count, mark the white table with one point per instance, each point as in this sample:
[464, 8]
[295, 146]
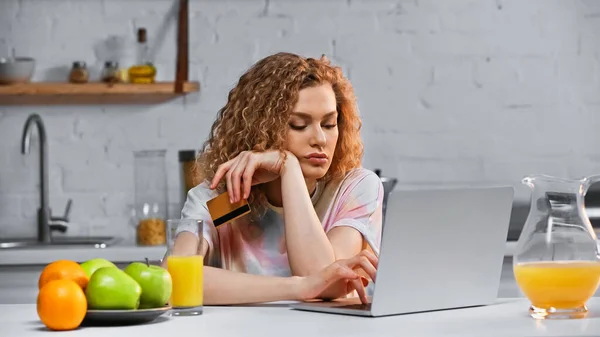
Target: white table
[507, 318]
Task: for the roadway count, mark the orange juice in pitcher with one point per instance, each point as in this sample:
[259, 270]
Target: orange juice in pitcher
[556, 263]
[558, 284]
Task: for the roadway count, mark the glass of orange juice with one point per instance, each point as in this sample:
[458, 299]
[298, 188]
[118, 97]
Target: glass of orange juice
[185, 266]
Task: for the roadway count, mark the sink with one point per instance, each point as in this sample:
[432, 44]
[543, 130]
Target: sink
[70, 242]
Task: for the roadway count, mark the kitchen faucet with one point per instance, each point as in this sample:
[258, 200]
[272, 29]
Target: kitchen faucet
[44, 219]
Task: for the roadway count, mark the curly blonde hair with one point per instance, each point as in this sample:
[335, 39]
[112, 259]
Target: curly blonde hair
[256, 115]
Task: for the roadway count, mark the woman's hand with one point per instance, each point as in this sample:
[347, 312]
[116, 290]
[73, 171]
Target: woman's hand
[248, 169]
[312, 286]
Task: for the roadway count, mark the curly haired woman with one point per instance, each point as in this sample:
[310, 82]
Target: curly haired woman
[288, 141]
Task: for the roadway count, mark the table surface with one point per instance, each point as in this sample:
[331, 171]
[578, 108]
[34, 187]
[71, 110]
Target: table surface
[507, 317]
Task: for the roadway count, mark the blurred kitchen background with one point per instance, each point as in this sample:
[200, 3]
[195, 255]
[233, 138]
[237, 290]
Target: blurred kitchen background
[452, 93]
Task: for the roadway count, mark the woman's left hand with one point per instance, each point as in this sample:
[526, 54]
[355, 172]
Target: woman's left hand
[248, 169]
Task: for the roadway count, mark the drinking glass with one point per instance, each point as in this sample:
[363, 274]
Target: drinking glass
[186, 269]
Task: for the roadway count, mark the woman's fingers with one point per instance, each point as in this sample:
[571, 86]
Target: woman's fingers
[368, 267]
[364, 263]
[251, 165]
[221, 171]
[228, 185]
[335, 272]
[342, 270]
[372, 257]
[367, 262]
[236, 177]
[239, 172]
[231, 180]
[360, 289]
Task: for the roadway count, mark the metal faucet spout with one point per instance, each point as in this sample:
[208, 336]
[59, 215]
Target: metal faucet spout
[44, 210]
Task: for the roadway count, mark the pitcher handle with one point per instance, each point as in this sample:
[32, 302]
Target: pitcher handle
[589, 181]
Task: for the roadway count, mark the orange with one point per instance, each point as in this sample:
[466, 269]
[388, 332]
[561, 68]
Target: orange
[61, 305]
[63, 270]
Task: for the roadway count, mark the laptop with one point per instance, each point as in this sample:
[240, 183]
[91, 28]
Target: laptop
[441, 249]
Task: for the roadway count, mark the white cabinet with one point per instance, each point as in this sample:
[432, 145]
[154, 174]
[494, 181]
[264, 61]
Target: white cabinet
[19, 284]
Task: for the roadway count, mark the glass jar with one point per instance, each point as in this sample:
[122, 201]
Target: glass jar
[79, 73]
[150, 206]
[110, 73]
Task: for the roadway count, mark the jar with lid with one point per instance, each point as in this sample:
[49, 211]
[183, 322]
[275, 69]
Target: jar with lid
[150, 206]
[79, 73]
[111, 73]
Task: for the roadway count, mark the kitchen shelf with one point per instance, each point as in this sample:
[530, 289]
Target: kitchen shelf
[46, 93]
[58, 93]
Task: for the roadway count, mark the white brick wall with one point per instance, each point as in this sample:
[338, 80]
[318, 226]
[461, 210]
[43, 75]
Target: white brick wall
[452, 92]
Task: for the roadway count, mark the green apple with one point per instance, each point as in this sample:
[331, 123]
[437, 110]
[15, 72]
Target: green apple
[111, 288]
[155, 281]
[90, 266]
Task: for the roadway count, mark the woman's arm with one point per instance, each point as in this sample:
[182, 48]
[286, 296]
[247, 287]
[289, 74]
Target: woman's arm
[309, 247]
[227, 287]
[222, 287]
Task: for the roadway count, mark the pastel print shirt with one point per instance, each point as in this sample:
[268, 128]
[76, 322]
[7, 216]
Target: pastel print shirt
[259, 247]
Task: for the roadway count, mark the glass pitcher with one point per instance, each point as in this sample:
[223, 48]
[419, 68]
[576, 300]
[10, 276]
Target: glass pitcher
[556, 263]
[150, 208]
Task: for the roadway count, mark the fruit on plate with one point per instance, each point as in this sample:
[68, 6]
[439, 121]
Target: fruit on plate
[90, 266]
[112, 289]
[61, 304]
[63, 270]
[155, 281]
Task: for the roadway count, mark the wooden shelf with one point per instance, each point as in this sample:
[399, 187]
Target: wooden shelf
[53, 93]
[45, 93]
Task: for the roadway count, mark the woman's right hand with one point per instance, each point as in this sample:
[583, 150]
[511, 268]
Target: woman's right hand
[247, 169]
[347, 270]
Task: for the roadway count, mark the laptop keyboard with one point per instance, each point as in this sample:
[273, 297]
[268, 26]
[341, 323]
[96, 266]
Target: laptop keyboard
[359, 306]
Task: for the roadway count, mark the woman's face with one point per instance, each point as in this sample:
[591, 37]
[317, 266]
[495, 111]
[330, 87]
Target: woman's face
[313, 131]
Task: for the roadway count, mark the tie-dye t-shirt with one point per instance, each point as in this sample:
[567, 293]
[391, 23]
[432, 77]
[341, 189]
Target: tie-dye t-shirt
[259, 247]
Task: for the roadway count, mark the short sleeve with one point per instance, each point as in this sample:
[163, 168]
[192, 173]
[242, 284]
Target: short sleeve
[195, 208]
[360, 205]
